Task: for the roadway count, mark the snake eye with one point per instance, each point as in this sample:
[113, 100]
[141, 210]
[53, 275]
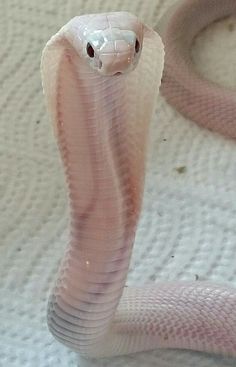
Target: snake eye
[90, 50]
[137, 46]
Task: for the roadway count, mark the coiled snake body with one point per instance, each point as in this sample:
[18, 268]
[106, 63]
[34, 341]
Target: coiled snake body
[101, 75]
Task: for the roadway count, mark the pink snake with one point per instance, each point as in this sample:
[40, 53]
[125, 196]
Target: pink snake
[101, 75]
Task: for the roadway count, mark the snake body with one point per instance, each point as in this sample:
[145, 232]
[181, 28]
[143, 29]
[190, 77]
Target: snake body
[210, 105]
[101, 75]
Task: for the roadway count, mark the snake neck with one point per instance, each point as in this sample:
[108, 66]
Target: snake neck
[93, 141]
[104, 202]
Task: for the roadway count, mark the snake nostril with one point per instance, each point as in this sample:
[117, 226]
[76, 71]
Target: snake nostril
[100, 64]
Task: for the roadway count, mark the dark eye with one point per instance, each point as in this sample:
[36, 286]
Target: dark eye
[137, 46]
[90, 50]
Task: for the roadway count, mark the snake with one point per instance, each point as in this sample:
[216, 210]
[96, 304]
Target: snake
[101, 75]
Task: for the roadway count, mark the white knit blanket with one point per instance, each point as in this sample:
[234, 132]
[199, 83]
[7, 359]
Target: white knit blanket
[188, 225]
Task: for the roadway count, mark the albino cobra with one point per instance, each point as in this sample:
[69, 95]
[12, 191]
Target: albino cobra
[101, 75]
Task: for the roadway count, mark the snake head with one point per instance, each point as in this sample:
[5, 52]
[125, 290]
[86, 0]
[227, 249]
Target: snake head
[112, 42]
[113, 51]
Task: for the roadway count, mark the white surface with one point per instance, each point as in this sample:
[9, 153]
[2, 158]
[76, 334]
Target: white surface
[188, 223]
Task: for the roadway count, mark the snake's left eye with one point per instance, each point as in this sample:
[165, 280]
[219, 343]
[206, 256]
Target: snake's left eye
[90, 50]
[137, 46]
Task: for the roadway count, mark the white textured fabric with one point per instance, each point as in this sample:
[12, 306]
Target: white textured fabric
[187, 230]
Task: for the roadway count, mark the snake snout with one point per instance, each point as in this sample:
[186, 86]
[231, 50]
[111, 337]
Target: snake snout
[111, 64]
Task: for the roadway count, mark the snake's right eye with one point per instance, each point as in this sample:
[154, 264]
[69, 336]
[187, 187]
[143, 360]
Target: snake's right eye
[137, 46]
[90, 50]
